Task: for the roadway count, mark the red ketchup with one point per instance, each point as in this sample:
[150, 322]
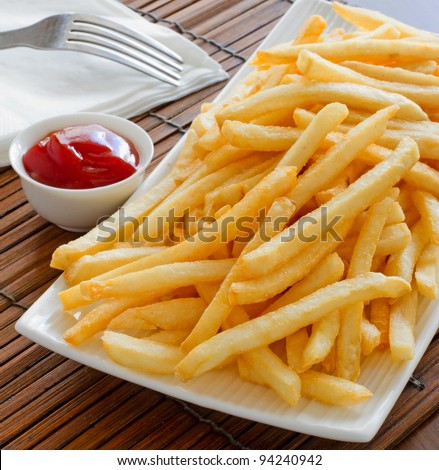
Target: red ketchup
[81, 157]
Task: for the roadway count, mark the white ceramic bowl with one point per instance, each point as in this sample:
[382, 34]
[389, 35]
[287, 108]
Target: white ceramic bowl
[79, 210]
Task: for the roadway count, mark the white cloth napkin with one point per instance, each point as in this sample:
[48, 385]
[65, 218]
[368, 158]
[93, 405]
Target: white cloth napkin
[36, 84]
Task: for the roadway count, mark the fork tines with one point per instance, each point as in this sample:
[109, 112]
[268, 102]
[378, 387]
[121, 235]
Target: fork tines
[113, 41]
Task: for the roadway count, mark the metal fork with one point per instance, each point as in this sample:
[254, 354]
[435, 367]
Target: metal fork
[100, 37]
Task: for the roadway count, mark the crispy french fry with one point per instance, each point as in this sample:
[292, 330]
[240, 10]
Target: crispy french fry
[328, 271]
[305, 94]
[163, 277]
[332, 390]
[323, 336]
[370, 337]
[141, 354]
[378, 51]
[315, 67]
[273, 326]
[366, 19]
[89, 266]
[171, 337]
[428, 206]
[295, 344]
[401, 326]
[264, 287]
[393, 238]
[311, 30]
[392, 74]
[403, 262]
[380, 317]
[169, 315]
[427, 271]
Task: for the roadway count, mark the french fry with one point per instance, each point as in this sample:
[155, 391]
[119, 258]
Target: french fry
[378, 51]
[315, 67]
[311, 30]
[273, 326]
[370, 336]
[427, 271]
[366, 19]
[323, 336]
[98, 318]
[171, 337]
[350, 202]
[428, 206]
[392, 74]
[401, 326]
[295, 344]
[403, 262]
[328, 271]
[89, 266]
[309, 141]
[393, 238]
[163, 277]
[380, 317]
[304, 94]
[168, 315]
[141, 354]
[332, 390]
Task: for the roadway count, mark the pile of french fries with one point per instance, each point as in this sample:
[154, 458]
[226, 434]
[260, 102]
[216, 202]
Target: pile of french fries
[330, 152]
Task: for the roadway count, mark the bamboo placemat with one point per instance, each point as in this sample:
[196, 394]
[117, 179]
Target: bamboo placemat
[50, 402]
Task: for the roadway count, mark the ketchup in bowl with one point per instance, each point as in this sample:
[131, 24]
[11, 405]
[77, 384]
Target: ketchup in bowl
[81, 157]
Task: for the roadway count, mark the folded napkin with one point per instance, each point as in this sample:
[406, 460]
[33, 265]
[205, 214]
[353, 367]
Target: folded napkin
[36, 84]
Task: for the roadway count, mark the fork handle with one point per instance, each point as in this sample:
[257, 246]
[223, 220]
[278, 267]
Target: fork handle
[15, 38]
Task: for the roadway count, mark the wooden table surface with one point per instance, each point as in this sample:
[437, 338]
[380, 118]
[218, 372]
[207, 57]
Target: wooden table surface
[50, 402]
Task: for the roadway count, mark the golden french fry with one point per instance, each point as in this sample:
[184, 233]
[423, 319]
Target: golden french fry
[173, 314]
[393, 238]
[380, 317]
[428, 206]
[392, 74]
[171, 337]
[350, 203]
[305, 94]
[141, 354]
[315, 67]
[427, 271]
[275, 373]
[401, 326]
[370, 337]
[325, 121]
[89, 266]
[98, 318]
[311, 30]
[247, 373]
[323, 336]
[332, 390]
[273, 326]
[295, 345]
[366, 19]
[403, 262]
[378, 51]
[328, 271]
[163, 277]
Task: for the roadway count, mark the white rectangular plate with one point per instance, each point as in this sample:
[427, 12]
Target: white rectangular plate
[45, 323]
